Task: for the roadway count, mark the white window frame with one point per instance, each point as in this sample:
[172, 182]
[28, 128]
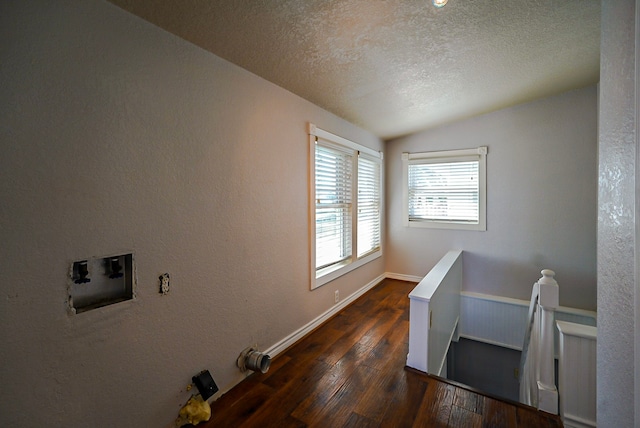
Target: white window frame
[321, 277]
[479, 154]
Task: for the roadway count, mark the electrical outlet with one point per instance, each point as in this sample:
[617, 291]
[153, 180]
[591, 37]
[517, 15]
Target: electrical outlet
[337, 296]
[164, 283]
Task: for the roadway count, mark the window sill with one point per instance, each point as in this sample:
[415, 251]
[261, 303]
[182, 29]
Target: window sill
[481, 227]
[330, 273]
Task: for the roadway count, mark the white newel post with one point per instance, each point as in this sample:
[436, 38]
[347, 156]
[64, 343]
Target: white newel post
[547, 392]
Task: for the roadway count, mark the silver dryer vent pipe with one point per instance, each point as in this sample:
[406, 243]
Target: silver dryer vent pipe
[252, 359]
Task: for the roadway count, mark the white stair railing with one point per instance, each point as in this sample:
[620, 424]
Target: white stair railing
[537, 375]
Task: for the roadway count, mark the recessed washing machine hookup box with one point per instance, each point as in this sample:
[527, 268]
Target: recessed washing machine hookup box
[101, 281]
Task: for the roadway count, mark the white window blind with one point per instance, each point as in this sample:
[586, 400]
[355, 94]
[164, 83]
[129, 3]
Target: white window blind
[445, 189]
[368, 204]
[333, 176]
[345, 205]
[444, 192]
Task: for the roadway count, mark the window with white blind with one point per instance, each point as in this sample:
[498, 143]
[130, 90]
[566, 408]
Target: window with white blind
[445, 190]
[334, 205]
[368, 204]
[346, 205]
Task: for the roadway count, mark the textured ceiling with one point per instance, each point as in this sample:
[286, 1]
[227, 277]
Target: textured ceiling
[395, 67]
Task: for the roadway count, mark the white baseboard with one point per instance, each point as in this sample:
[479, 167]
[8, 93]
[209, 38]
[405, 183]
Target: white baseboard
[577, 422]
[285, 343]
[402, 277]
[292, 338]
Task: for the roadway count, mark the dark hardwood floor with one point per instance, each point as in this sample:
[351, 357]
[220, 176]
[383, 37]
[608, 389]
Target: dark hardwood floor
[350, 372]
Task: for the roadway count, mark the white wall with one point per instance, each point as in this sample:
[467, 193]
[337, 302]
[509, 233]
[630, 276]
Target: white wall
[541, 200]
[617, 277]
[116, 137]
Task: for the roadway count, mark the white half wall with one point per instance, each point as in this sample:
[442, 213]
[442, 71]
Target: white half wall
[119, 137]
[541, 200]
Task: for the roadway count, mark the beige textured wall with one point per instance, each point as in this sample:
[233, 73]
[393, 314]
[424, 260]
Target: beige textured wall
[617, 274]
[541, 200]
[117, 137]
